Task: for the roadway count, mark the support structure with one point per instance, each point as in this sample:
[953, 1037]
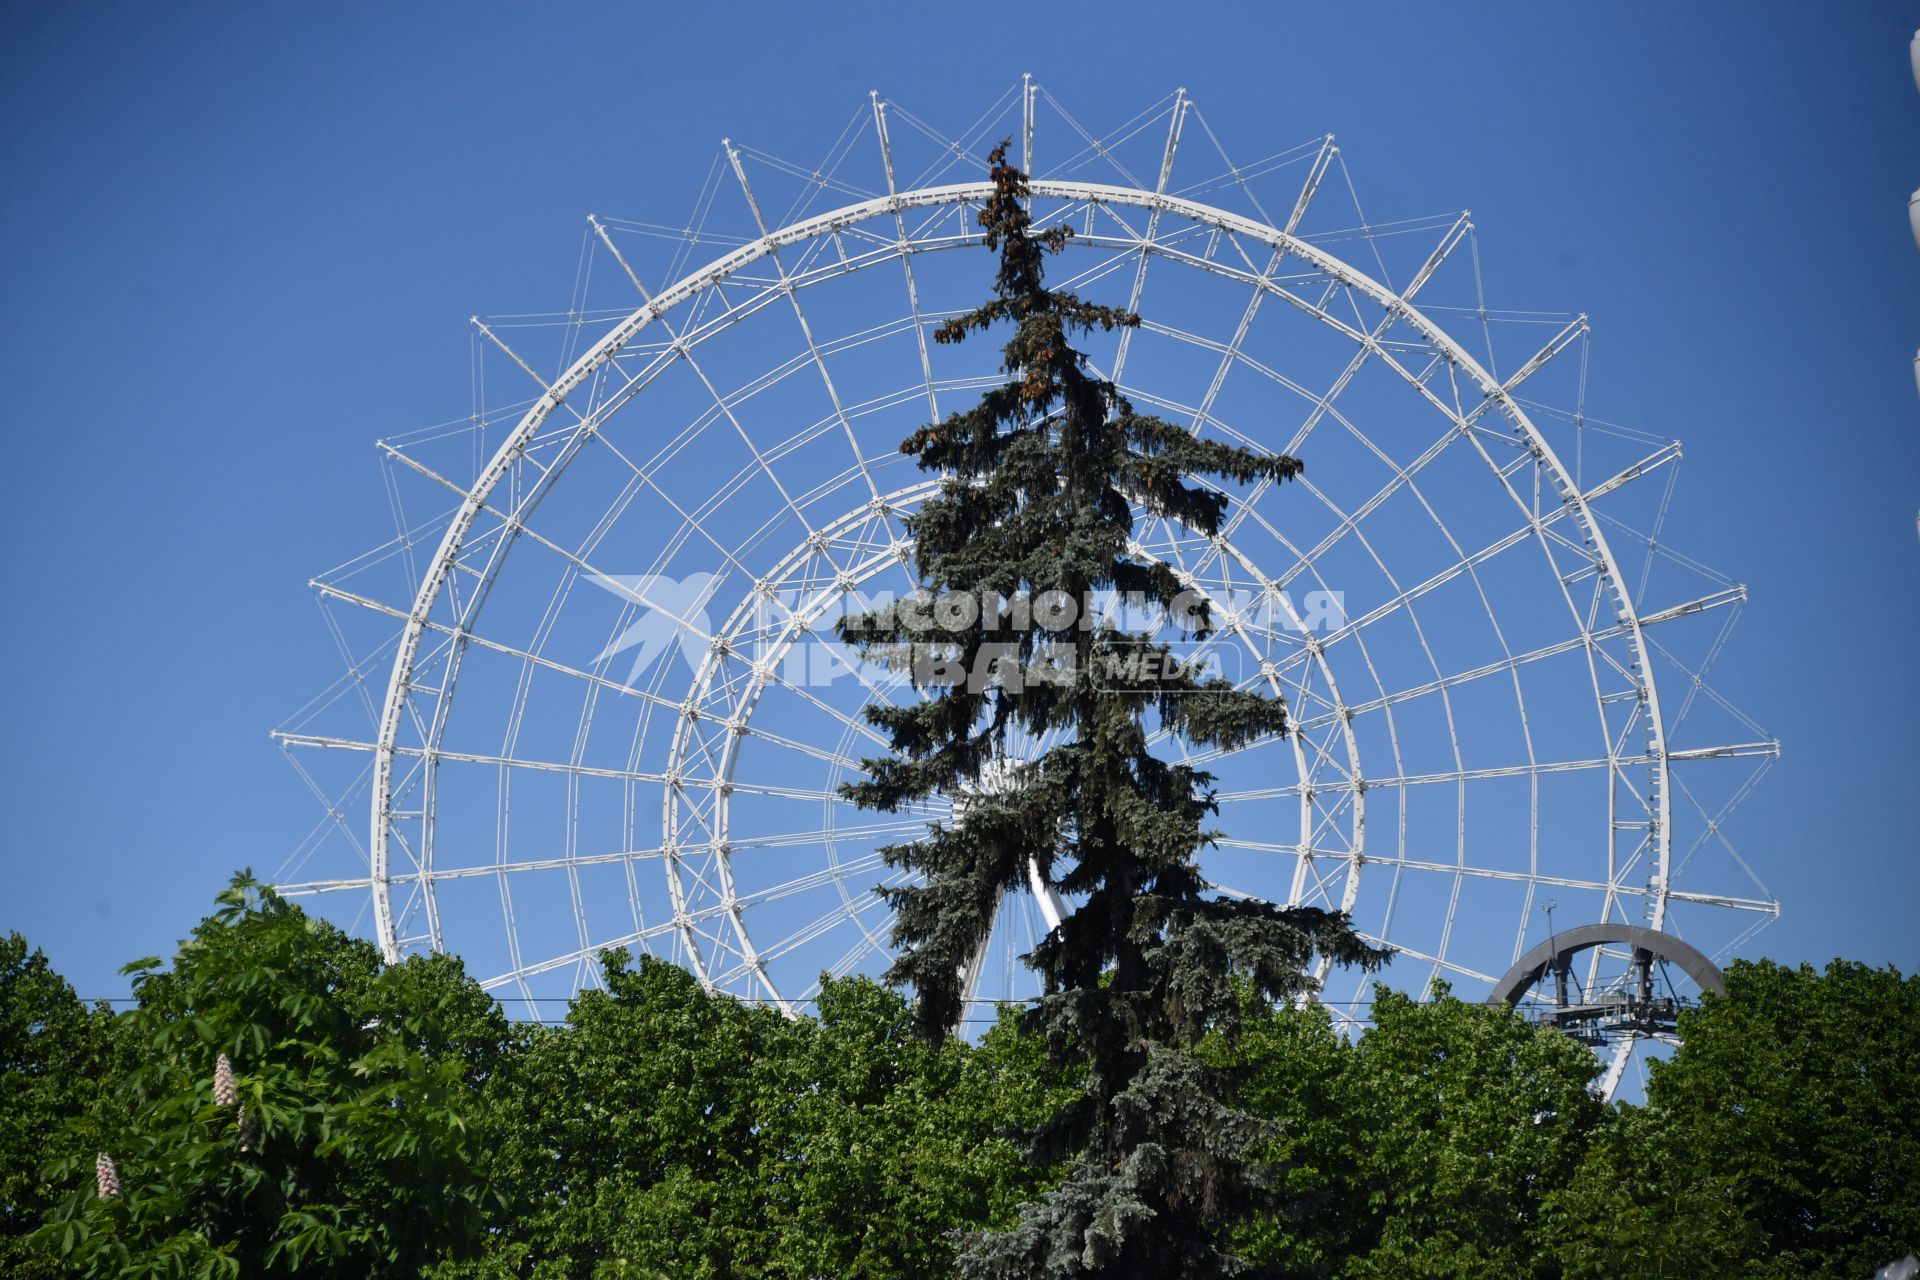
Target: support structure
[1621, 1007]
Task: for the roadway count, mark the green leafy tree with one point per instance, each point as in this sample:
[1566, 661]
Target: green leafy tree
[1782, 1139]
[630, 1142]
[344, 1149]
[53, 1052]
[667, 1131]
[1429, 1146]
[903, 1141]
[1040, 484]
[1631, 1211]
[1468, 1118]
[1300, 1075]
[386, 1120]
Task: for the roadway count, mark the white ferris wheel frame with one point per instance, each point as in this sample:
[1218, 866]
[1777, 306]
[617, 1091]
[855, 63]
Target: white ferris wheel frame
[1498, 394]
[1654, 849]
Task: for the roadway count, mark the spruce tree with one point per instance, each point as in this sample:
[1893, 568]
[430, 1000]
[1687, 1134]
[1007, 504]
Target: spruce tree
[1026, 537]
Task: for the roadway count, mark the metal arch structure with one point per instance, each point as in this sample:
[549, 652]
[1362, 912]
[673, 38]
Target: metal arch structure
[1559, 949]
[1619, 1010]
[845, 534]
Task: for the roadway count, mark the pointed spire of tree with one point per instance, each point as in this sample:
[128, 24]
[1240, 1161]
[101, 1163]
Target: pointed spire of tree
[1042, 482]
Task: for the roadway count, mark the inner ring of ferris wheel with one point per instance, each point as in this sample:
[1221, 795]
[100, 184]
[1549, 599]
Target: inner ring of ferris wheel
[760, 641]
[1352, 776]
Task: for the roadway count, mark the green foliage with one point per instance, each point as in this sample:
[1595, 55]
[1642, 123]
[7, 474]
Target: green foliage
[1425, 1148]
[629, 1138]
[349, 1151]
[900, 1140]
[1630, 1211]
[670, 1132]
[1467, 1115]
[1782, 1139]
[53, 1049]
[405, 1129]
[1297, 1072]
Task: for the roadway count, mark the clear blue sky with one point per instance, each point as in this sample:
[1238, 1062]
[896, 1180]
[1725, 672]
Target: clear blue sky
[240, 243]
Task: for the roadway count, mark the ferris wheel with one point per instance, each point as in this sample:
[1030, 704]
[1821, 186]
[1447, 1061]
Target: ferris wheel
[594, 698]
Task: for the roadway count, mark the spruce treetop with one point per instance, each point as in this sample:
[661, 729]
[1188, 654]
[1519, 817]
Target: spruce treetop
[1042, 482]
